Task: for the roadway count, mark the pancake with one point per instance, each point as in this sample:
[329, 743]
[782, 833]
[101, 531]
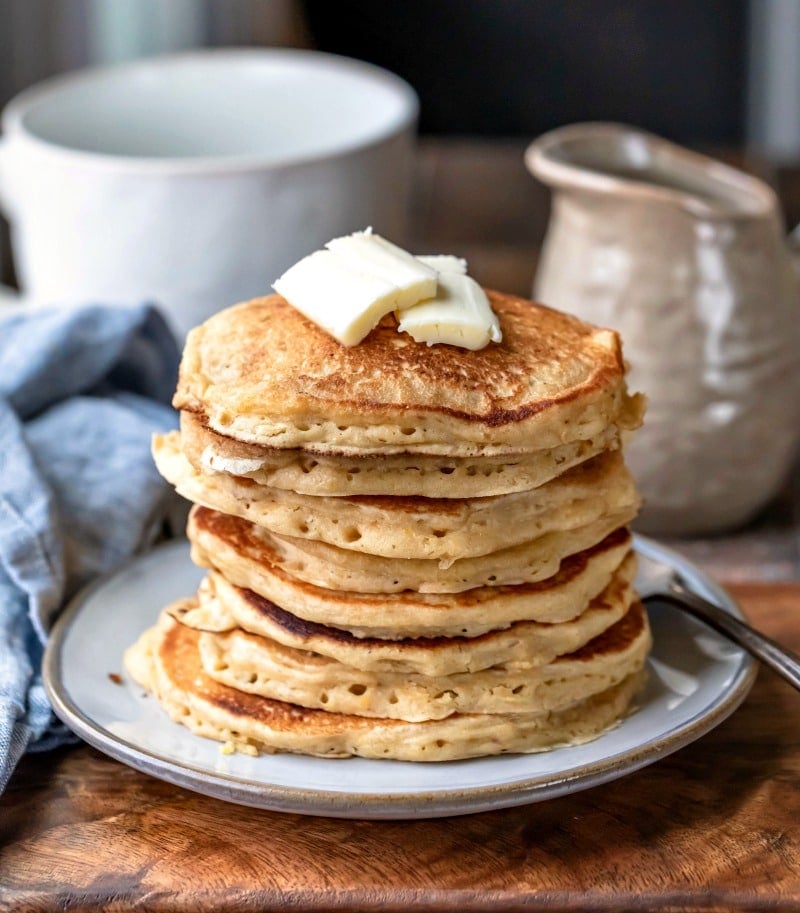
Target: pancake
[165, 660]
[220, 606]
[329, 567]
[261, 372]
[417, 474]
[258, 665]
[245, 557]
[410, 527]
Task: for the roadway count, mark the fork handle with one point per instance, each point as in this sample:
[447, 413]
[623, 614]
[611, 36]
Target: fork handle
[782, 661]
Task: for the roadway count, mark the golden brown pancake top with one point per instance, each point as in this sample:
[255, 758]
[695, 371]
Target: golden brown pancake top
[263, 358]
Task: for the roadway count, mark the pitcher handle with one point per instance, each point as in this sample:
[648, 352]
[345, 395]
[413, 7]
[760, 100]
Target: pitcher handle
[793, 249]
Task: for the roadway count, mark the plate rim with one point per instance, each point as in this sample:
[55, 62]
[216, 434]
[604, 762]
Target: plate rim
[377, 804]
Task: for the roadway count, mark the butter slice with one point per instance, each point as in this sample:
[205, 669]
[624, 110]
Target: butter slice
[347, 288]
[459, 315]
[368, 252]
[236, 466]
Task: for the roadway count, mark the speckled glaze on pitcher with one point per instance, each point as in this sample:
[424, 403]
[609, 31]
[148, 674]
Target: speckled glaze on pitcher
[685, 257]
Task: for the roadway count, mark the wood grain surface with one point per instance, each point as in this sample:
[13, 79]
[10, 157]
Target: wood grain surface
[716, 826]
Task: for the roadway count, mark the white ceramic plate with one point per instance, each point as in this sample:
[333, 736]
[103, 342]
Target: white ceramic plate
[697, 678]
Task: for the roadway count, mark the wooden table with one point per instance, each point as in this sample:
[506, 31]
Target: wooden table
[715, 826]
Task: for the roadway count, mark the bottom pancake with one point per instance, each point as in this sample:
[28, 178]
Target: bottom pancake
[166, 661]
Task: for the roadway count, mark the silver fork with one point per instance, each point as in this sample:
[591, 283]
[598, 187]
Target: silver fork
[657, 582]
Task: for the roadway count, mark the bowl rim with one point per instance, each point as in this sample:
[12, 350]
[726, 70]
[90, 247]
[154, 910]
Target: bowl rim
[15, 129]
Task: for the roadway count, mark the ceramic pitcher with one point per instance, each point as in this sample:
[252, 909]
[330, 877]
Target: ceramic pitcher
[685, 257]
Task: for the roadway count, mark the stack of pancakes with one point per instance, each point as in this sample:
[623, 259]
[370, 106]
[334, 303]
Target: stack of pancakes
[413, 552]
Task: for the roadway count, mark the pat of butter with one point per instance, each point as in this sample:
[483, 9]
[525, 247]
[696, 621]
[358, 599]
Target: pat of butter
[236, 466]
[372, 254]
[349, 287]
[459, 315]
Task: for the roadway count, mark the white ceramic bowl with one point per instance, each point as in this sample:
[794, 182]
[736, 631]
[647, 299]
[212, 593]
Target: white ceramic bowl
[194, 180]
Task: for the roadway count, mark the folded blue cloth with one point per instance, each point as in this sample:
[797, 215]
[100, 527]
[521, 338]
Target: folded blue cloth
[81, 392]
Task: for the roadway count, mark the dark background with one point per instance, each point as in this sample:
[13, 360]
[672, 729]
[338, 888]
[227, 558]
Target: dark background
[519, 67]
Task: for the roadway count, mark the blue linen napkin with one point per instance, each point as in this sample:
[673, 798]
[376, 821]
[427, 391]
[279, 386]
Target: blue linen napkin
[81, 392]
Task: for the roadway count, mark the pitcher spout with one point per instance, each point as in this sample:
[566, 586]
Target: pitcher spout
[622, 161]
